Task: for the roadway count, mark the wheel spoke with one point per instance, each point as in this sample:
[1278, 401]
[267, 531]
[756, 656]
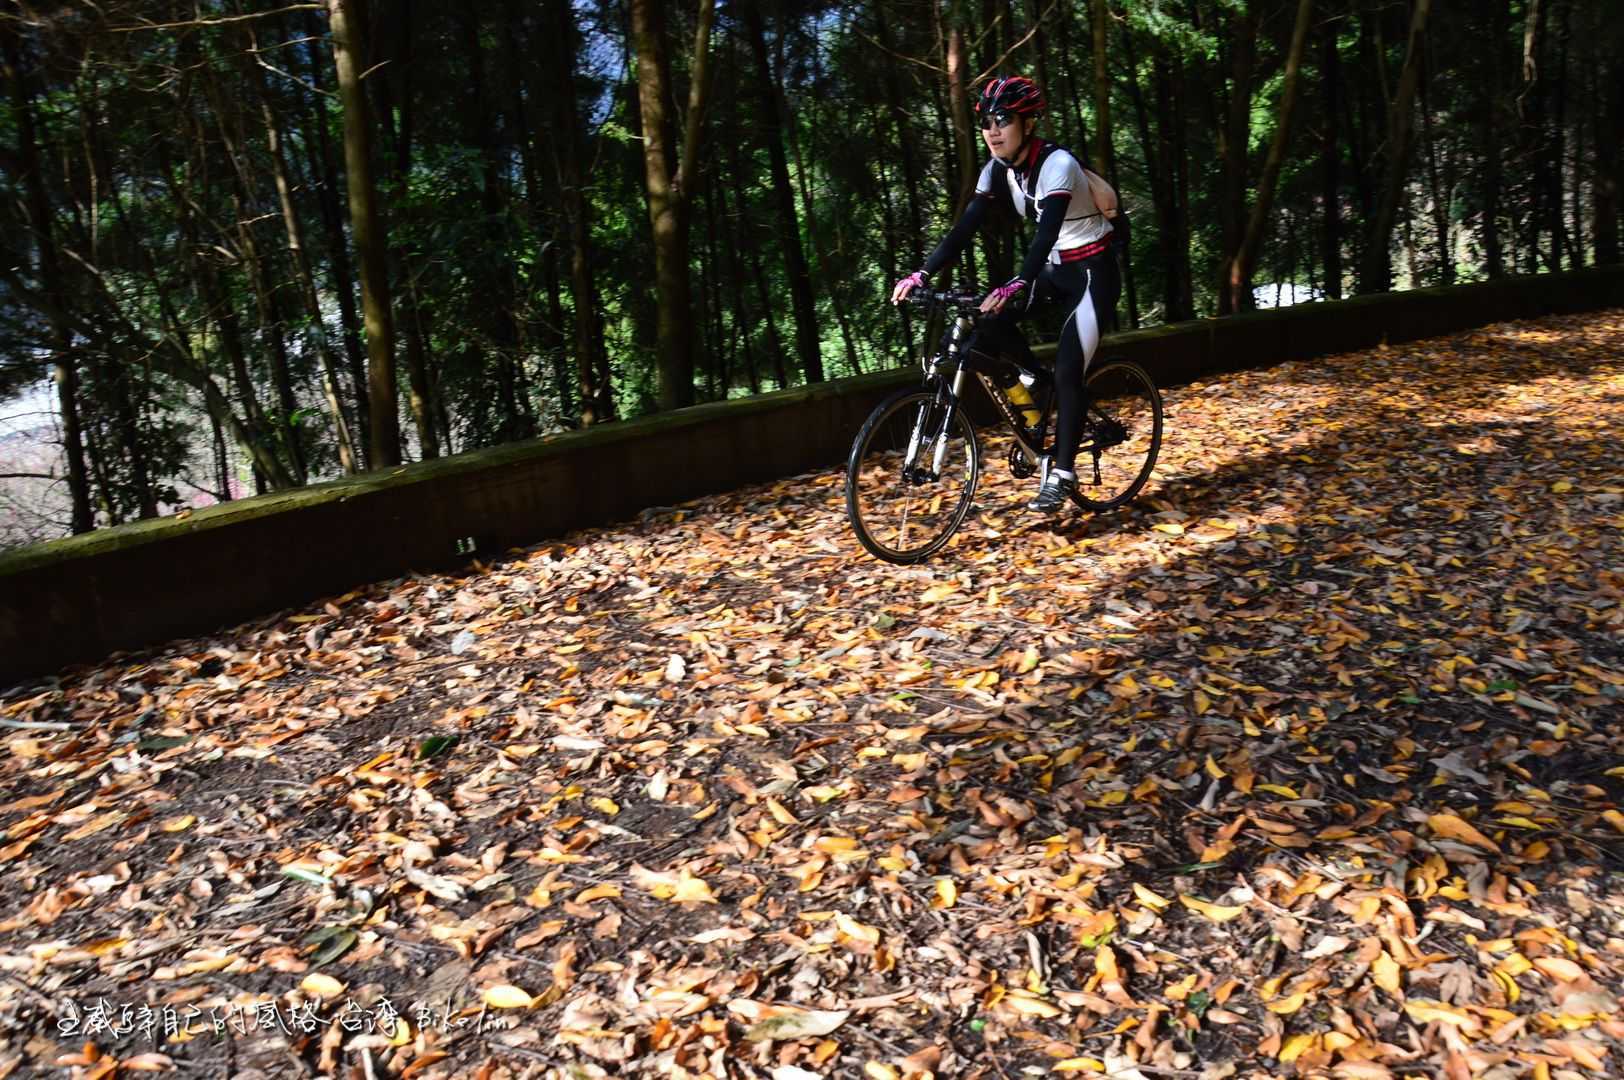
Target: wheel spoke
[901, 505]
[1121, 436]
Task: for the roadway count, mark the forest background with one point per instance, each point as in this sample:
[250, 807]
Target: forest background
[250, 246]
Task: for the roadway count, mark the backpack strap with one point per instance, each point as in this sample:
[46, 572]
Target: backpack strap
[1030, 188]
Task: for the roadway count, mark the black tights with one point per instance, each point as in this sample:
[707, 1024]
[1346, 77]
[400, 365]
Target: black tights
[1087, 291]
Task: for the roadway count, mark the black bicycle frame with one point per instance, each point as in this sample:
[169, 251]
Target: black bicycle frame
[959, 358]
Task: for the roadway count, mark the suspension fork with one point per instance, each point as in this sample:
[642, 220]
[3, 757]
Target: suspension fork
[949, 400]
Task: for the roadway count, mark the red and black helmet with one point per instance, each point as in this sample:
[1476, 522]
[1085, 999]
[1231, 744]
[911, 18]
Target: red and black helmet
[1014, 94]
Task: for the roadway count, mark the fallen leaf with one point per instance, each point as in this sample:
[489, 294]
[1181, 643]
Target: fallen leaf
[1454, 828]
[505, 996]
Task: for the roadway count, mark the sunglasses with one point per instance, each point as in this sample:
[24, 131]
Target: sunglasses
[1002, 118]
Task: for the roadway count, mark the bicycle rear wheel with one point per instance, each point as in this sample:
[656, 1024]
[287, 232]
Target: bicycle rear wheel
[910, 477]
[1122, 434]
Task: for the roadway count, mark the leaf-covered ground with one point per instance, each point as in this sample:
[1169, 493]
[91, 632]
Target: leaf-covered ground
[1309, 763]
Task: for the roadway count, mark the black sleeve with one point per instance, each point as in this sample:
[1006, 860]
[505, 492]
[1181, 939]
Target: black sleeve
[954, 243]
[1051, 215]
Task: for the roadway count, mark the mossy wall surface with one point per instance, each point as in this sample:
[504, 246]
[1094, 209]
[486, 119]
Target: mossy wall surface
[81, 598]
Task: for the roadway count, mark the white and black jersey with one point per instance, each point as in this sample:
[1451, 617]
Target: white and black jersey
[1045, 170]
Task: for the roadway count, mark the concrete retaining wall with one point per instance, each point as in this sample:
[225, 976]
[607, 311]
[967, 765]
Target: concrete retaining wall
[81, 598]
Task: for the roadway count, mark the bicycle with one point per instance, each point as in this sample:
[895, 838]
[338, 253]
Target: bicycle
[915, 463]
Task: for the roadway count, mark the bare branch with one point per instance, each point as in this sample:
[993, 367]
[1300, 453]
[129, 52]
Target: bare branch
[998, 63]
[892, 52]
[27, 476]
[222, 21]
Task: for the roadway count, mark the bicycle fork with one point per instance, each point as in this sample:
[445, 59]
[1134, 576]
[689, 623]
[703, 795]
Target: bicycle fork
[938, 438]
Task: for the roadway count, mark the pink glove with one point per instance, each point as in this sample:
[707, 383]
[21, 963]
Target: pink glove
[1009, 290]
[912, 281]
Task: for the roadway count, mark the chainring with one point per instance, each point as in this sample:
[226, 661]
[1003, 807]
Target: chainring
[1019, 466]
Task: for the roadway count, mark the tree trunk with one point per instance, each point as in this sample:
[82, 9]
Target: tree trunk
[1377, 269]
[278, 426]
[63, 370]
[1556, 151]
[958, 97]
[1239, 283]
[775, 344]
[804, 173]
[419, 392]
[343, 273]
[591, 363]
[222, 471]
[1493, 114]
[1073, 95]
[789, 230]
[1234, 140]
[1331, 159]
[1105, 162]
[370, 240]
[1609, 174]
[316, 333]
[914, 243]
[742, 321]
[502, 329]
[1439, 195]
[1040, 48]
[669, 180]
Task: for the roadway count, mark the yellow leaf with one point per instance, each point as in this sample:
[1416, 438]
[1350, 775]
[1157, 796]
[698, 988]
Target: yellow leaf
[606, 806]
[824, 792]
[179, 824]
[938, 593]
[1213, 770]
[205, 960]
[879, 1070]
[1613, 818]
[321, 985]
[1509, 985]
[507, 997]
[1171, 528]
[856, 930]
[1078, 1064]
[947, 894]
[1562, 487]
[834, 845]
[1425, 1012]
[1296, 1047]
[1150, 899]
[1215, 912]
[692, 890]
[1385, 970]
[1287, 1005]
[780, 813]
[1279, 789]
[1031, 1006]
[1454, 828]
[597, 892]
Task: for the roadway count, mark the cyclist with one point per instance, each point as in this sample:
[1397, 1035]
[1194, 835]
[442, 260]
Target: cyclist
[1069, 262]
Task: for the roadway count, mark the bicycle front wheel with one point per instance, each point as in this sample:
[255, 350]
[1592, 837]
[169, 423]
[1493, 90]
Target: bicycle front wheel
[1122, 434]
[911, 475]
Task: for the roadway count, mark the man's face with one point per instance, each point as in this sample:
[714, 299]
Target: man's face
[1004, 133]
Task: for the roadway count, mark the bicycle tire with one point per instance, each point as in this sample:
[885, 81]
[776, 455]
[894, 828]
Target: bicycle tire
[877, 487]
[1119, 393]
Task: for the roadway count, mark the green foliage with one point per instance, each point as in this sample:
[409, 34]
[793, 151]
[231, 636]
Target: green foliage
[175, 255]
